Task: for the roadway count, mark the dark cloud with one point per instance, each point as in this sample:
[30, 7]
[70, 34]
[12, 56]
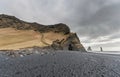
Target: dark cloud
[105, 21]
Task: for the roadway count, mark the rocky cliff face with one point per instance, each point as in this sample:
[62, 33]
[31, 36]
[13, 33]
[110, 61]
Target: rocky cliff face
[70, 42]
[13, 22]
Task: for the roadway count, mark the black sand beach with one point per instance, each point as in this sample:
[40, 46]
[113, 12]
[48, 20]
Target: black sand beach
[61, 64]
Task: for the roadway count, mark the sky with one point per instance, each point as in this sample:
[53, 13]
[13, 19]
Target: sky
[97, 22]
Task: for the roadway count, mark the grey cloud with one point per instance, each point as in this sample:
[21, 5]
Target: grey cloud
[105, 21]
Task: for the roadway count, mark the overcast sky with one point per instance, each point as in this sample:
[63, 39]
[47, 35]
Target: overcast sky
[97, 22]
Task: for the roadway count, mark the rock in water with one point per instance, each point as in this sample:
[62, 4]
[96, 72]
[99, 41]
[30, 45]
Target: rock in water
[66, 41]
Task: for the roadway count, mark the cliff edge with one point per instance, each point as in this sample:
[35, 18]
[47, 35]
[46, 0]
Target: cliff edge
[18, 34]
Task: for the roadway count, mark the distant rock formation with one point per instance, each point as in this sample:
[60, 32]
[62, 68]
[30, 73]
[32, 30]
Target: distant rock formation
[101, 49]
[71, 42]
[89, 49]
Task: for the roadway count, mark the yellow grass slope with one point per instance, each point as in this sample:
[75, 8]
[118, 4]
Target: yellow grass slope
[11, 38]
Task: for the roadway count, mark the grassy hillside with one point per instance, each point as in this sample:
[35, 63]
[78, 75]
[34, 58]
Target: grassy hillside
[11, 38]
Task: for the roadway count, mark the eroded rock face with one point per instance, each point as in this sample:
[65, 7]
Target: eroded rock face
[71, 42]
[74, 42]
[13, 22]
